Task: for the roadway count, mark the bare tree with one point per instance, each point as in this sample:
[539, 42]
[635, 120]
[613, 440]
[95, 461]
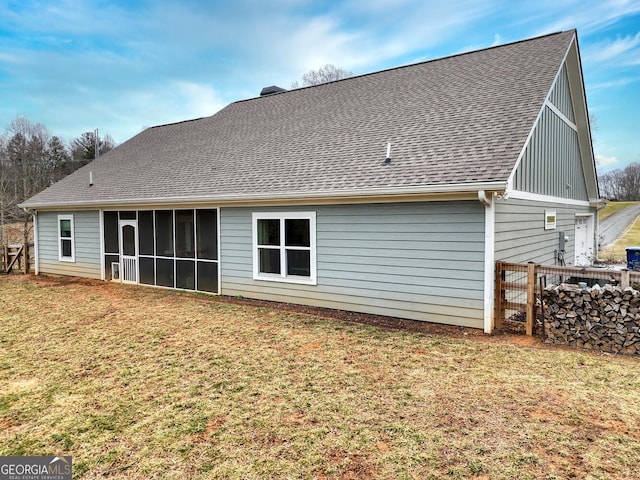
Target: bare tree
[328, 73]
[621, 184]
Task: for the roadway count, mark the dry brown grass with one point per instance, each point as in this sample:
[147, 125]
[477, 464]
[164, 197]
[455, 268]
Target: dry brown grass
[145, 383]
[616, 251]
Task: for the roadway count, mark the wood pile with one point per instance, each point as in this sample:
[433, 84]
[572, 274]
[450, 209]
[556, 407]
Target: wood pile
[599, 318]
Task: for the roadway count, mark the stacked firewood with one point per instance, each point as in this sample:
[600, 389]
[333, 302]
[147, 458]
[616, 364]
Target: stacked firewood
[599, 318]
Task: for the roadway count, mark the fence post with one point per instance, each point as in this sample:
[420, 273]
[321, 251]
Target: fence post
[531, 297]
[499, 296]
[624, 278]
[26, 258]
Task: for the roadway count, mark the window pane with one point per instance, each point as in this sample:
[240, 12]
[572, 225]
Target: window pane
[111, 233]
[164, 233]
[299, 263]
[269, 232]
[145, 232]
[184, 234]
[128, 215]
[186, 274]
[164, 272]
[296, 232]
[207, 241]
[129, 240]
[146, 266]
[208, 277]
[66, 247]
[65, 228]
[269, 261]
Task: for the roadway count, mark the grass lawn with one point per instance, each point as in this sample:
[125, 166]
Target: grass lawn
[144, 383]
[613, 207]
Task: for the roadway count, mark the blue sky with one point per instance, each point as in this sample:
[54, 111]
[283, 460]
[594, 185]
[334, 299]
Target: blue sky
[122, 66]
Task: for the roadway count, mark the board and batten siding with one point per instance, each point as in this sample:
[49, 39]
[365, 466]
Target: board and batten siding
[86, 239]
[561, 95]
[551, 164]
[421, 261]
[520, 235]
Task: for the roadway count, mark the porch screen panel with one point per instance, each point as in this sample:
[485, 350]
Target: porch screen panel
[207, 234]
[208, 277]
[186, 274]
[108, 260]
[147, 270]
[145, 232]
[164, 233]
[164, 272]
[185, 237]
[111, 232]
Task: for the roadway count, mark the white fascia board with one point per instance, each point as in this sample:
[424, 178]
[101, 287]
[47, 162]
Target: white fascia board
[408, 194]
[517, 194]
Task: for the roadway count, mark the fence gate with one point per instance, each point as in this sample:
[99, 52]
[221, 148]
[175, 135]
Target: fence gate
[14, 257]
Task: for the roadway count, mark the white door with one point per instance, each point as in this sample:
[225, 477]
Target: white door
[128, 251]
[583, 247]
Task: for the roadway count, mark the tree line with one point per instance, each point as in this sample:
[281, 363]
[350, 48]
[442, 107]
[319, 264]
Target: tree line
[621, 184]
[31, 159]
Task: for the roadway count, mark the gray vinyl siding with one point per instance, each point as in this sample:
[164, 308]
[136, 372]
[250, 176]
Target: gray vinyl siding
[421, 261]
[87, 244]
[551, 164]
[520, 235]
[561, 95]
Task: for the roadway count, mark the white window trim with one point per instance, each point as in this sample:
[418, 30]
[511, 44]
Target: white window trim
[72, 258]
[283, 277]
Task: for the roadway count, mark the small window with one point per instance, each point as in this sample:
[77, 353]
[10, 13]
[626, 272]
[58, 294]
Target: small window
[284, 247]
[549, 219]
[66, 244]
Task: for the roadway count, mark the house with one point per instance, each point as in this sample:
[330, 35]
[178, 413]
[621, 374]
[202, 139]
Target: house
[391, 193]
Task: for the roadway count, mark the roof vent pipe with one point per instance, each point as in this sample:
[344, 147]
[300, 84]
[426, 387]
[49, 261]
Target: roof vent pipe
[388, 157]
[91, 179]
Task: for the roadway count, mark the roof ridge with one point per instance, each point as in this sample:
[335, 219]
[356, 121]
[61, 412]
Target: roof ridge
[409, 65]
[177, 123]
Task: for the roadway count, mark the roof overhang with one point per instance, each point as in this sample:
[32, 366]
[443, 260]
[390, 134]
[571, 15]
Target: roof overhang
[467, 191]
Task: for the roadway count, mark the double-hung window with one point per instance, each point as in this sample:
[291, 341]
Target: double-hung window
[66, 243]
[284, 246]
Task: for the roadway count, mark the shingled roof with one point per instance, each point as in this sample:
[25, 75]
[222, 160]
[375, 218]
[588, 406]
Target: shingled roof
[453, 123]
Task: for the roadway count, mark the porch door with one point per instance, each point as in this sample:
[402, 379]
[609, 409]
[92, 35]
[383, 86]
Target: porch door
[129, 251]
[582, 248]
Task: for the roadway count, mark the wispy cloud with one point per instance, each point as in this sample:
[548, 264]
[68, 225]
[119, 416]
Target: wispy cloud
[613, 50]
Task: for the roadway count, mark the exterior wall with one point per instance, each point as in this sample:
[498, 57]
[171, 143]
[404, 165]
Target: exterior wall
[520, 235]
[551, 164]
[421, 261]
[87, 244]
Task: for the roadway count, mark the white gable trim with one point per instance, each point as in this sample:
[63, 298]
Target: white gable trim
[545, 198]
[561, 115]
